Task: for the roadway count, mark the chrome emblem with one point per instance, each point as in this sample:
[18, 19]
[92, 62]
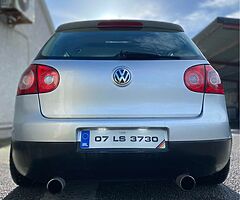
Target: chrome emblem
[121, 76]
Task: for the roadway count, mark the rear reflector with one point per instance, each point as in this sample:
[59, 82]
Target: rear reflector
[38, 79]
[120, 24]
[203, 78]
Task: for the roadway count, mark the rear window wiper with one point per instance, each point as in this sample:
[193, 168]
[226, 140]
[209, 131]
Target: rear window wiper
[129, 55]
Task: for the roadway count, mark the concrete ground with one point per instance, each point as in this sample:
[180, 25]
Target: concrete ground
[5, 134]
[230, 190]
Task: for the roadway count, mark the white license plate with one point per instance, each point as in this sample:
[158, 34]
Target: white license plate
[122, 138]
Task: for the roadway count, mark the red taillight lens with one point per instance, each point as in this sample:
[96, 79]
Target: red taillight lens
[120, 24]
[48, 78]
[194, 78]
[28, 81]
[38, 79]
[213, 82]
[203, 78]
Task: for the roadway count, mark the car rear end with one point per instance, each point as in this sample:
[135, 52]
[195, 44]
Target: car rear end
[120, 99]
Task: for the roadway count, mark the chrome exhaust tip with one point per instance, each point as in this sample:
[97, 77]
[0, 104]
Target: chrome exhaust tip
[185, 182]
[56, 185]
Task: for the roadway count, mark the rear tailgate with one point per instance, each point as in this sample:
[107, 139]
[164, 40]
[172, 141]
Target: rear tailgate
[87, 90]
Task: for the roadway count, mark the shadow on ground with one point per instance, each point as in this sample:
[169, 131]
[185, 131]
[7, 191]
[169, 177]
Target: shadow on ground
[126, 191]
[5, 142]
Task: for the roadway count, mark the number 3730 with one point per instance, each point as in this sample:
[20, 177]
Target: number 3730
[143, 138]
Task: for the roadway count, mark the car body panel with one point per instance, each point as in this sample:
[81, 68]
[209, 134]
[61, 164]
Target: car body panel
[86, 90]
[30, 125]
[42, 161]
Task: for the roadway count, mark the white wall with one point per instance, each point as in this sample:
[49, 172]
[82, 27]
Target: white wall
[18, 47]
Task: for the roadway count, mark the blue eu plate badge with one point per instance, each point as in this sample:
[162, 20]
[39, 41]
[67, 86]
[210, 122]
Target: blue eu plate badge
[85, 138]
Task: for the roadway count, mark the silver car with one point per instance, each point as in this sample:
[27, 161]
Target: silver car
[120, 100]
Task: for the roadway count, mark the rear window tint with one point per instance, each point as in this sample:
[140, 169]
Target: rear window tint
[117, 45]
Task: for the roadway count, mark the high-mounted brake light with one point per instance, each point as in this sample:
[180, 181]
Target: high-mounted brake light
[38, 79]
[120, 24]
[203, 78]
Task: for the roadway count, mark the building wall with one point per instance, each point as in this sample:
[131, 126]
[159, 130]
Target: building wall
[18, 46]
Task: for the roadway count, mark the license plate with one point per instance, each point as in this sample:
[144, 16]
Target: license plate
[129, 138]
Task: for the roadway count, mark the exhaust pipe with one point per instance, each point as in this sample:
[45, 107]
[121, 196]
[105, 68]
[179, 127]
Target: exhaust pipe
[185, 182]
[56, 185]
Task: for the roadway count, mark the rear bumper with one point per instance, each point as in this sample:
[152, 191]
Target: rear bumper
[31, 126]
[42, 161]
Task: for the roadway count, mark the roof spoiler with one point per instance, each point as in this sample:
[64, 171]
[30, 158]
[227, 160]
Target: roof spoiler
[120, 24]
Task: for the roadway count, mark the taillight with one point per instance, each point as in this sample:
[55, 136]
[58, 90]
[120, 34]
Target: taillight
[213, 82]
[28, 81]
[120, 24]
[48, 78]
[203, 78]
[194, 78]
[38, 79]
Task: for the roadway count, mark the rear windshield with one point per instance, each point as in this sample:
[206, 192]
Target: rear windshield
[120, 45]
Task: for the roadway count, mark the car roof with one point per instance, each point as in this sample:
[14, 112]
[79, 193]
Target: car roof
[94, 24]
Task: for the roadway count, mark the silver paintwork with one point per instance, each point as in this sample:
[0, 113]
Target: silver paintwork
[86, 90]
[30, 125]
